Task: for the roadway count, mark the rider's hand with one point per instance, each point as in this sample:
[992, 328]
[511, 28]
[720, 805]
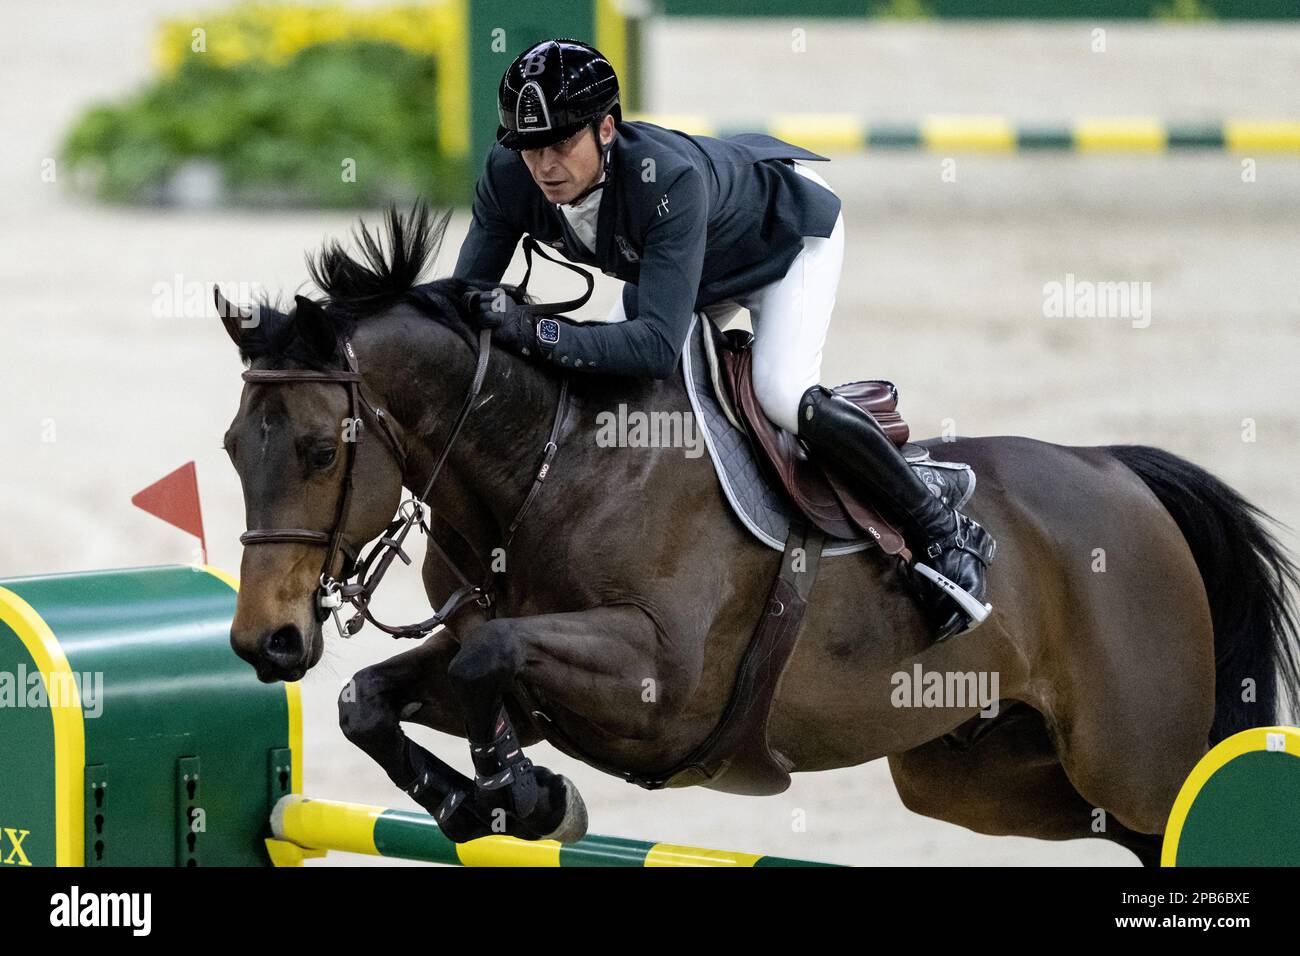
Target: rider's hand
[510, 322]
[492, 308]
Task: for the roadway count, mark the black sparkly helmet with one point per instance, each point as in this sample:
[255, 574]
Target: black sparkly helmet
[551, 91]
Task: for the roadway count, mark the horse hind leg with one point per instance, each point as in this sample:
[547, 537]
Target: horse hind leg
[1002, 777]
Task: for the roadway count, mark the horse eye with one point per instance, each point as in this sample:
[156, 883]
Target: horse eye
[323, 457]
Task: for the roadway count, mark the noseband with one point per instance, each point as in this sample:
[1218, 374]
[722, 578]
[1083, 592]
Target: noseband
[332, 592]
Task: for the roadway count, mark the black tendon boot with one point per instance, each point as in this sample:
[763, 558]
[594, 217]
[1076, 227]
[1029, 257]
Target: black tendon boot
[849, 439]
[533, 802]
[504, 777]
[442, 792]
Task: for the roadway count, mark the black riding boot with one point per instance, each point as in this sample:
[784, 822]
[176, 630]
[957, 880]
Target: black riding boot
[851, 440]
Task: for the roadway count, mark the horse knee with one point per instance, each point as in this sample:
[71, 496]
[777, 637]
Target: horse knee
[364, 714]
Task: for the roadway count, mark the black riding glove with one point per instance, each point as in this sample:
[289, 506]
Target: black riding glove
[512, 325]
[636, 347]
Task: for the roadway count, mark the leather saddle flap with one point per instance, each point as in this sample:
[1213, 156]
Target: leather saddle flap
[826, 500]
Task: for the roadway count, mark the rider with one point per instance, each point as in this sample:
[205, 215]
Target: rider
[690, 223]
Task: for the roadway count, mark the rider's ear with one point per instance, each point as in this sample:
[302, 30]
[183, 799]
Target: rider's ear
[315, 327]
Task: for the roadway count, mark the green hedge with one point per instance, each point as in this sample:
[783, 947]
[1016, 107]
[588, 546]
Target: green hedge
[280, 135]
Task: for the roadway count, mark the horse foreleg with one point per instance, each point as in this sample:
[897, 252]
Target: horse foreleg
[371, 708]
[596, 661]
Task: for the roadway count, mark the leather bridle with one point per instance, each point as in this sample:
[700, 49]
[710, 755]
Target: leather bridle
[370, 569]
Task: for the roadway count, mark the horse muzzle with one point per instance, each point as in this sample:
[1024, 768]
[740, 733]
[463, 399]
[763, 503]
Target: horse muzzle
[284, 654]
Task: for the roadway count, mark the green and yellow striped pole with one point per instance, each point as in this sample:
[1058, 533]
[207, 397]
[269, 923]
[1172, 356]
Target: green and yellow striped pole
[304, 827]
[844, 132]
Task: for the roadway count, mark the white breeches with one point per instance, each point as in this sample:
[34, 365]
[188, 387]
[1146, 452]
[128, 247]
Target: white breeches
[790, 317]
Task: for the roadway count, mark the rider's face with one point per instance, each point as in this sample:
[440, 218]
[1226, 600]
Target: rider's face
[564, 170]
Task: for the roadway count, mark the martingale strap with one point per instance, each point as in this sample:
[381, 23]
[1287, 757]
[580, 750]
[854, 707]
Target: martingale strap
[553, 308]
[390, 546]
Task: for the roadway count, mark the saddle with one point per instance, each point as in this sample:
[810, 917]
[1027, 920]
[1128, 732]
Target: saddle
[822, 496]
[818, 516]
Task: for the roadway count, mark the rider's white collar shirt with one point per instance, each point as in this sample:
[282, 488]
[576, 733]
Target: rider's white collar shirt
[582, 216]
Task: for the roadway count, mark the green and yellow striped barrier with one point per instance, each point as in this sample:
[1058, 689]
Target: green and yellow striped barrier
[304, 827]
[841, 132]
[130, 733]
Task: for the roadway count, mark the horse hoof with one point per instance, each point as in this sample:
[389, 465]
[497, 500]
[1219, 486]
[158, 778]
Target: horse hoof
[574, 825]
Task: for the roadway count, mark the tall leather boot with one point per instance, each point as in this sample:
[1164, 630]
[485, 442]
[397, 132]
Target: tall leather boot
[852, 441]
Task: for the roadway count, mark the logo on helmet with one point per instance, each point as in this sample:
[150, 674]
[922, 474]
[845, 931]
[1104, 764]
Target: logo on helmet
[534, 64]
[531, 113]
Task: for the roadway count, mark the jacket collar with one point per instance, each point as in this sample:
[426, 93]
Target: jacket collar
[605, 218]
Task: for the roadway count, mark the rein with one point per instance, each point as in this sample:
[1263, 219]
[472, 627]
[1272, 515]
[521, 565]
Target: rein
[370, 569]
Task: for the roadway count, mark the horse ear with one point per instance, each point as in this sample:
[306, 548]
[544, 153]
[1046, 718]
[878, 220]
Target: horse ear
[233, 317]
[315, 328]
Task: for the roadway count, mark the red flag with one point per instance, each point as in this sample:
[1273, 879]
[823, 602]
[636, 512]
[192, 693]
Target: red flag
[175, 499]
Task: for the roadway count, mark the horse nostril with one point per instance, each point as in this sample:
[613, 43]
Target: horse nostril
[284, 645]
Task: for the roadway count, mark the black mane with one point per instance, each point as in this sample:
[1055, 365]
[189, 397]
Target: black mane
[385, 271]
[373, 279]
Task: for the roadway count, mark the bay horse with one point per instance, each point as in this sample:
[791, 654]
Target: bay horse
[1141, 606]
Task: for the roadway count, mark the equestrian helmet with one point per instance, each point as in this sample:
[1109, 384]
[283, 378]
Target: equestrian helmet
[551, 91]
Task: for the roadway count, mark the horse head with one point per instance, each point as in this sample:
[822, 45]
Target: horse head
[322, 377]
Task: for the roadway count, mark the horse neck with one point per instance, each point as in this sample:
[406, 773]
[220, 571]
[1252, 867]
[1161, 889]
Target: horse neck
[426, 370]
[505, 435]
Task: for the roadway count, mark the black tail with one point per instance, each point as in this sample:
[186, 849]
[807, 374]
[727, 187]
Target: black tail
[1248, 578]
